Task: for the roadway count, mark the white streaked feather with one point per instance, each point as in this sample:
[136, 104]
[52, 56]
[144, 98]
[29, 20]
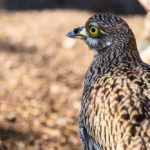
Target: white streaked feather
[94, 24]
[92, 41]
[107, 43]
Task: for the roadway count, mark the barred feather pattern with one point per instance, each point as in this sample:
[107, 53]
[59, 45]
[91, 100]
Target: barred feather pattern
[115, 106]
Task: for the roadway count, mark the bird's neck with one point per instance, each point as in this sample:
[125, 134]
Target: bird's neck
[110, 59]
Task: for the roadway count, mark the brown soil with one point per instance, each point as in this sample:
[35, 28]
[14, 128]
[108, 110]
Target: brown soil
[41, 78]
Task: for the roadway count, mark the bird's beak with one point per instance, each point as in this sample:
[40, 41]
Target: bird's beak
[79, 33]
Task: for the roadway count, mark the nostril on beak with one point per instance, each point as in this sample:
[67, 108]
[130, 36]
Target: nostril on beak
[76, 30]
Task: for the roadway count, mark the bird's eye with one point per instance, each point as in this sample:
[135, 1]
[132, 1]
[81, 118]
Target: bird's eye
[94, 31]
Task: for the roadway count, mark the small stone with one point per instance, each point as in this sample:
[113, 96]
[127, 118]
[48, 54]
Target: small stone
[63, 140]
[20, 145]
[33, 103]
[11, 117]
[52, 132]
[36, 123]
[145, 55]
[77, 105]
[45, 136]
[55, 89]
[69, 43]
[61, 122]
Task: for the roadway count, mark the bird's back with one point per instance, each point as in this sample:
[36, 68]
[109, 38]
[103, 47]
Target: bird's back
[115, 111]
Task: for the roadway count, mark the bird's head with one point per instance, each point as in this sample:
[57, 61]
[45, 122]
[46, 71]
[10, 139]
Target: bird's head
[102, 31]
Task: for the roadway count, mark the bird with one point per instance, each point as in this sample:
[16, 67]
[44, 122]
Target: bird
[115, 103]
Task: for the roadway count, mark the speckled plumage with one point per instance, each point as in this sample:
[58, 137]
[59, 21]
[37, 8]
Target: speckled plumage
[115, 106]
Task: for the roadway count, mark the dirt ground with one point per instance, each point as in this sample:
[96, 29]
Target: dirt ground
[41, 74]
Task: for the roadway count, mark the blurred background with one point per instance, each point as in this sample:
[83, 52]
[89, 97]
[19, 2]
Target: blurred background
[41, 70]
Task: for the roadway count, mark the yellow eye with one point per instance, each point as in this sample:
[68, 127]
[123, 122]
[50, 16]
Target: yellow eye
[94, 31]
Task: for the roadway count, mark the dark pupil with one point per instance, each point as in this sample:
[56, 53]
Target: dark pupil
[93, 29]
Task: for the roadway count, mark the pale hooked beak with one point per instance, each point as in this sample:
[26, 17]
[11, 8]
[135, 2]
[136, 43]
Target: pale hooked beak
[79, 33]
